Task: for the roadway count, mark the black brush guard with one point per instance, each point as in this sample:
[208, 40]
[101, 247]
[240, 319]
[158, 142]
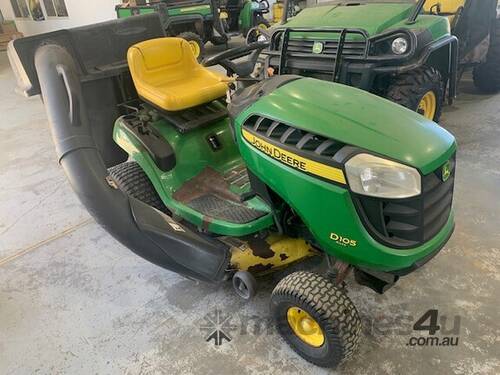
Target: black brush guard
[279, 47]
[77, 72]
[343, 33]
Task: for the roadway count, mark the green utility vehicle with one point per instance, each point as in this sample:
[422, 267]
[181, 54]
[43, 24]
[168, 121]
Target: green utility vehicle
[197, 21]
[223, 177]
[411, 52]
[240, 16]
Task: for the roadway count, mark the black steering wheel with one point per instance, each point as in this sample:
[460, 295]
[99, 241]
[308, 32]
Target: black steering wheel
[242, 68]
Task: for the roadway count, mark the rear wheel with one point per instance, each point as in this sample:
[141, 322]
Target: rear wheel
[131, 179]
[315, 318]
[487, 75]
[196, 43]
[420, 90]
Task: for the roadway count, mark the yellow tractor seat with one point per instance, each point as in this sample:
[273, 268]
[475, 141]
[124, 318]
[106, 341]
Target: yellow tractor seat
[167, 75]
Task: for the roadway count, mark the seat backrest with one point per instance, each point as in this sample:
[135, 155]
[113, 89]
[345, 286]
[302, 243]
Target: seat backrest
[445, 6]
[157, 61]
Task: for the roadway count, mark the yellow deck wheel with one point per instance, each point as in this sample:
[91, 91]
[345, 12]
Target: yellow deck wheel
[428, 105]
[305, 327]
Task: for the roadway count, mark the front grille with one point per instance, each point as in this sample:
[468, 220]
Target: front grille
[330, 48]
[296, 140]
[406, 223]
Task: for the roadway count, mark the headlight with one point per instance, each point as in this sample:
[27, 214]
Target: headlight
[399, 46]
[377, 177]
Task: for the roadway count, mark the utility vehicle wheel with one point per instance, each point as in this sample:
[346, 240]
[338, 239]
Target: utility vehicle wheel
[420, 90]
[262, 23]
[196, 44]
[254, 33]
[131, 179]
[244, 284]
[315, 318]
[487, 75]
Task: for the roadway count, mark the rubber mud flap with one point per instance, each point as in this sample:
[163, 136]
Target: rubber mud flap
[181, 244]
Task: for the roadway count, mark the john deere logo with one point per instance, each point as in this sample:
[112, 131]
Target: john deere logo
[317, 47]
[446, 171]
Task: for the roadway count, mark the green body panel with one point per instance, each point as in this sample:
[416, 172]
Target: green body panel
[245, 19]
[326, 208]
[203, 10]
[373, 18]
[356, 117]
[127, 12]
[437, 26]
[193, 154]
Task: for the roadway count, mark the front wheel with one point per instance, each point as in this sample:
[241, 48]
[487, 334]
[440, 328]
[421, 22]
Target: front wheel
[315, 318]
[196, 43]
[421, 90]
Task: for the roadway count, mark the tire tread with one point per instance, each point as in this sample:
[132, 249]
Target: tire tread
[132, 180]
[335, 309]
[406, 89]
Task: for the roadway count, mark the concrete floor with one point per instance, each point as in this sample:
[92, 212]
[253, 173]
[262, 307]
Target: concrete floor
[73, 300]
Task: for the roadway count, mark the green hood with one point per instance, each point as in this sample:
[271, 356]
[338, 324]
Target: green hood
[374, 18]
[358, 118]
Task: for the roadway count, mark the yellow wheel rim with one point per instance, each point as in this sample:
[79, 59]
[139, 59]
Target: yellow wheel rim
[195, 47]
[305, 327]
[260, 26]
[428, 105]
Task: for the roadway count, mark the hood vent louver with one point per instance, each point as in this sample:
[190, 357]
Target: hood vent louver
[294, 139]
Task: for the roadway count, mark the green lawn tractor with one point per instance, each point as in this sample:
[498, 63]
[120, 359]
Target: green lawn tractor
[197, 21]
[228, 178]
[241, 16]
[411, 52]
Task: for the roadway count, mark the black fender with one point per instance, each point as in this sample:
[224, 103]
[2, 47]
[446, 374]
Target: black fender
[146, 231]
